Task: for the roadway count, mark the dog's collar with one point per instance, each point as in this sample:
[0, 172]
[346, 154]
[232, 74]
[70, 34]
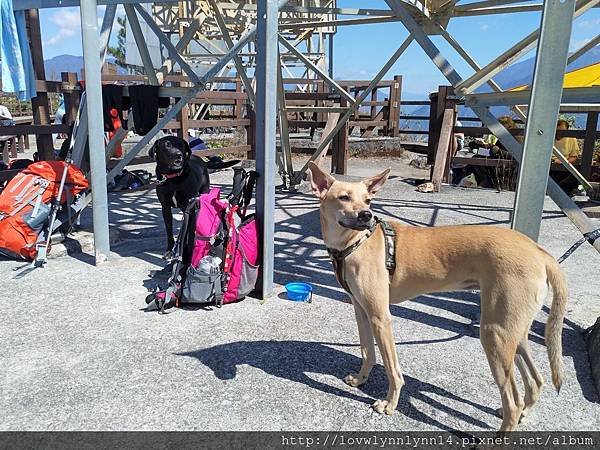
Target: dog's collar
[338, 256]
[164, 177]
[168, 176]
[342, 254]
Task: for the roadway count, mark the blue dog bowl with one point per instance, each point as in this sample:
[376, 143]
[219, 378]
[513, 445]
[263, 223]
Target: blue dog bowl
[299, 292]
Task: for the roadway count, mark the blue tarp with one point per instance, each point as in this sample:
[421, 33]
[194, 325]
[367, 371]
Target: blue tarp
[18, 75]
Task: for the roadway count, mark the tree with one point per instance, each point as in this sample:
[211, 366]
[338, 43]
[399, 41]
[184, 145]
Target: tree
[118, 52]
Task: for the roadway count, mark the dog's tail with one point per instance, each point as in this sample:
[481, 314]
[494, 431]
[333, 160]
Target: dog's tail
[553, 335]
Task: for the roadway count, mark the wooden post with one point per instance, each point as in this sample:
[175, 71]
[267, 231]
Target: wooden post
[433, 128]
[71, 98]
[443, 148]
[239, 103]
[5, 151]
[394, 107]
[339, 154]
[440, 103]
[436, 112]
[588, 144]
[41, 114]
[251, 132]
[373, 106]
[356, 116]
[21, 145]
[183, 117]
[320, 117]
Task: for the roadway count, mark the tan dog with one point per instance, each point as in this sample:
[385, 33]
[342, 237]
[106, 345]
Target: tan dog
[510, 269]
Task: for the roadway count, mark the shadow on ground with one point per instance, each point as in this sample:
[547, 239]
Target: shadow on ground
[315, 357]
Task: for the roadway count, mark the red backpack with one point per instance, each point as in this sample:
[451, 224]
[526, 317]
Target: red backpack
[26, 205]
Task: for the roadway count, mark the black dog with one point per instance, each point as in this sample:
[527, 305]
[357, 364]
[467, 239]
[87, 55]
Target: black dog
[181, 177]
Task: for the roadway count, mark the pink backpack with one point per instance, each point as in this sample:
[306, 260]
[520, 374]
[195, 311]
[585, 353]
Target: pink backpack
[216, 253]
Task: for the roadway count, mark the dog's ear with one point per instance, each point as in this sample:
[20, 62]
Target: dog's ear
[152, 151]
[319, 180]
[375, 183]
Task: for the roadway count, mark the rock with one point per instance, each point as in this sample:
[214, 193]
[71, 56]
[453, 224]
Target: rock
[80, 241]
[419, 162]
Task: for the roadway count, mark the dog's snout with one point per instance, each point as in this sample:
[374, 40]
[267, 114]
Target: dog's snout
[365, 216]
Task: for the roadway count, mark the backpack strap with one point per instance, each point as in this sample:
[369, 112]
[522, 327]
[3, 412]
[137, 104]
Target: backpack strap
[249, 190]
[19, 183]
[22, 203]
[239, 183]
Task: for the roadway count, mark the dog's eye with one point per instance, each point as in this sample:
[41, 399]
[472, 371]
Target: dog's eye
[368, 201]
[344, 198]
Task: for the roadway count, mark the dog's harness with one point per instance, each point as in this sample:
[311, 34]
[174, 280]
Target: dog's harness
[338, 256]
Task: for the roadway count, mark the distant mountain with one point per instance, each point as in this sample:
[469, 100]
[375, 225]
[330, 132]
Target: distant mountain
[516, 75]
[68, 63]
[62, 63]
[522, 73]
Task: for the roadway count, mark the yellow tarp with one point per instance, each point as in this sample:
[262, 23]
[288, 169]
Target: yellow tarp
[587, 76]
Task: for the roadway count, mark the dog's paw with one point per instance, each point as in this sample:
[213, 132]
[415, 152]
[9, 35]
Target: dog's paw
[168, 255]
[354, 380]
[384, 407]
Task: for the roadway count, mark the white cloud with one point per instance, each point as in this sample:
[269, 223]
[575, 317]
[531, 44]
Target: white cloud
[68, 25]
[589, 24]
[484, 27]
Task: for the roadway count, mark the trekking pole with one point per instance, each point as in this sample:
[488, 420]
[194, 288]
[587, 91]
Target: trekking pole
[42, 248]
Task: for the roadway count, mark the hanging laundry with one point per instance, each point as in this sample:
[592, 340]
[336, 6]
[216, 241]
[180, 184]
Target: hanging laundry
[144, 106]
[18, 75]
[112, 99]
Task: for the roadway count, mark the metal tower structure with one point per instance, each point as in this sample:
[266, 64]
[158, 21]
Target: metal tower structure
[218, 23]
[254, 48]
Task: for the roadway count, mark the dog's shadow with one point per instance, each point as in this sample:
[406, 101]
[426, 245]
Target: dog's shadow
[292, 360]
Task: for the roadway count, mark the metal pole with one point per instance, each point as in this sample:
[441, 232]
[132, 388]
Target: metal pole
[79, 135]
[189, 34]
[140, 41]
[416, 32]
[331, 56]
[312, 66]
[551, 60]
[164, 40]
[266, 112]
[342, 121]
[92, 64]
[239, 64]
[284, 132]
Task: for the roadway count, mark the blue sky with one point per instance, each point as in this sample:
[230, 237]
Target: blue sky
[361, 50]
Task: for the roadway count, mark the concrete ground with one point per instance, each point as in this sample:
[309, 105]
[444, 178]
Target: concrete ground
[80, 353]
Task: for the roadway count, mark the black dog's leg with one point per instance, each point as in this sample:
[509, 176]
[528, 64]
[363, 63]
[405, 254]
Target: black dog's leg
[168, 218]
